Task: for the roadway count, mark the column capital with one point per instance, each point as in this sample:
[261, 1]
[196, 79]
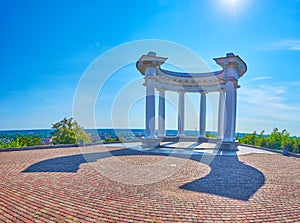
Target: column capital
[149, 61]
[160, 89]
[149, 78]
[181, 92]
[233, 66]
[150, 71]
[153, 77]
[235, 82]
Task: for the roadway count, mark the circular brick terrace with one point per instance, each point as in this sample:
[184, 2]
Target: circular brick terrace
[113, 184]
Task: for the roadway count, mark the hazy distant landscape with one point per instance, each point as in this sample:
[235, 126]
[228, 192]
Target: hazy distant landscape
[275, 140]
[96, 134]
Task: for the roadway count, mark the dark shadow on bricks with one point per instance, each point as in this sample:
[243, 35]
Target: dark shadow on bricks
[228, 177]
[71, 164]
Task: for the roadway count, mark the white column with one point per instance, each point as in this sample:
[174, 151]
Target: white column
[202, 116]
[150, 101]
[234, 114]
[221, 115]
[181, 114]
[161, 114]
[230, 119]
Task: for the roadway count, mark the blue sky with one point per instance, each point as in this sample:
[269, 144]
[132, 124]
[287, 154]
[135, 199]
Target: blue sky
[46, 46]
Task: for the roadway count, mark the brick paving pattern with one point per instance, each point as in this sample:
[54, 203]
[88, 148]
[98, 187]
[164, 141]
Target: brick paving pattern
[59, 185]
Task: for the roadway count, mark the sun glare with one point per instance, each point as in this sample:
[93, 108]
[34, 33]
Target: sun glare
[232, 6]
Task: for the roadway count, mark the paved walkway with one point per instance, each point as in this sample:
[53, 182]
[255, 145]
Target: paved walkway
[115, 184]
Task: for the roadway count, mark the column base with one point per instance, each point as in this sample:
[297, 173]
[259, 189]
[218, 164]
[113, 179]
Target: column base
[151, 142]
[229, 146]
[202, 139]
[161, 136]
[180, 136]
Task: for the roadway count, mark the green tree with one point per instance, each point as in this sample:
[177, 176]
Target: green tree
[68, 131]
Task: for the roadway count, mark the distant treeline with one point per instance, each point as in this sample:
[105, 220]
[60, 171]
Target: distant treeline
[276, 140]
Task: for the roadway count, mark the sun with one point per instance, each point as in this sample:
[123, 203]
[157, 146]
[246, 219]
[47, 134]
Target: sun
[233, 6]
[231, 2]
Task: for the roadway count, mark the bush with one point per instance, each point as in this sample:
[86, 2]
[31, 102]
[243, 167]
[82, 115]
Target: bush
[21, 141]
[30, 140]
[210, 135]
[276, 140]
[114, 139]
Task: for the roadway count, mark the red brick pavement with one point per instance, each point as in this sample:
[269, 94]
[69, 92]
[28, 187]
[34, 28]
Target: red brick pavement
[87, 195]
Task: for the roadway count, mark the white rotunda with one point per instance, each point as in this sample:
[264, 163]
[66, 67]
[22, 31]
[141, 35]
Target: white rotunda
[224, 81]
